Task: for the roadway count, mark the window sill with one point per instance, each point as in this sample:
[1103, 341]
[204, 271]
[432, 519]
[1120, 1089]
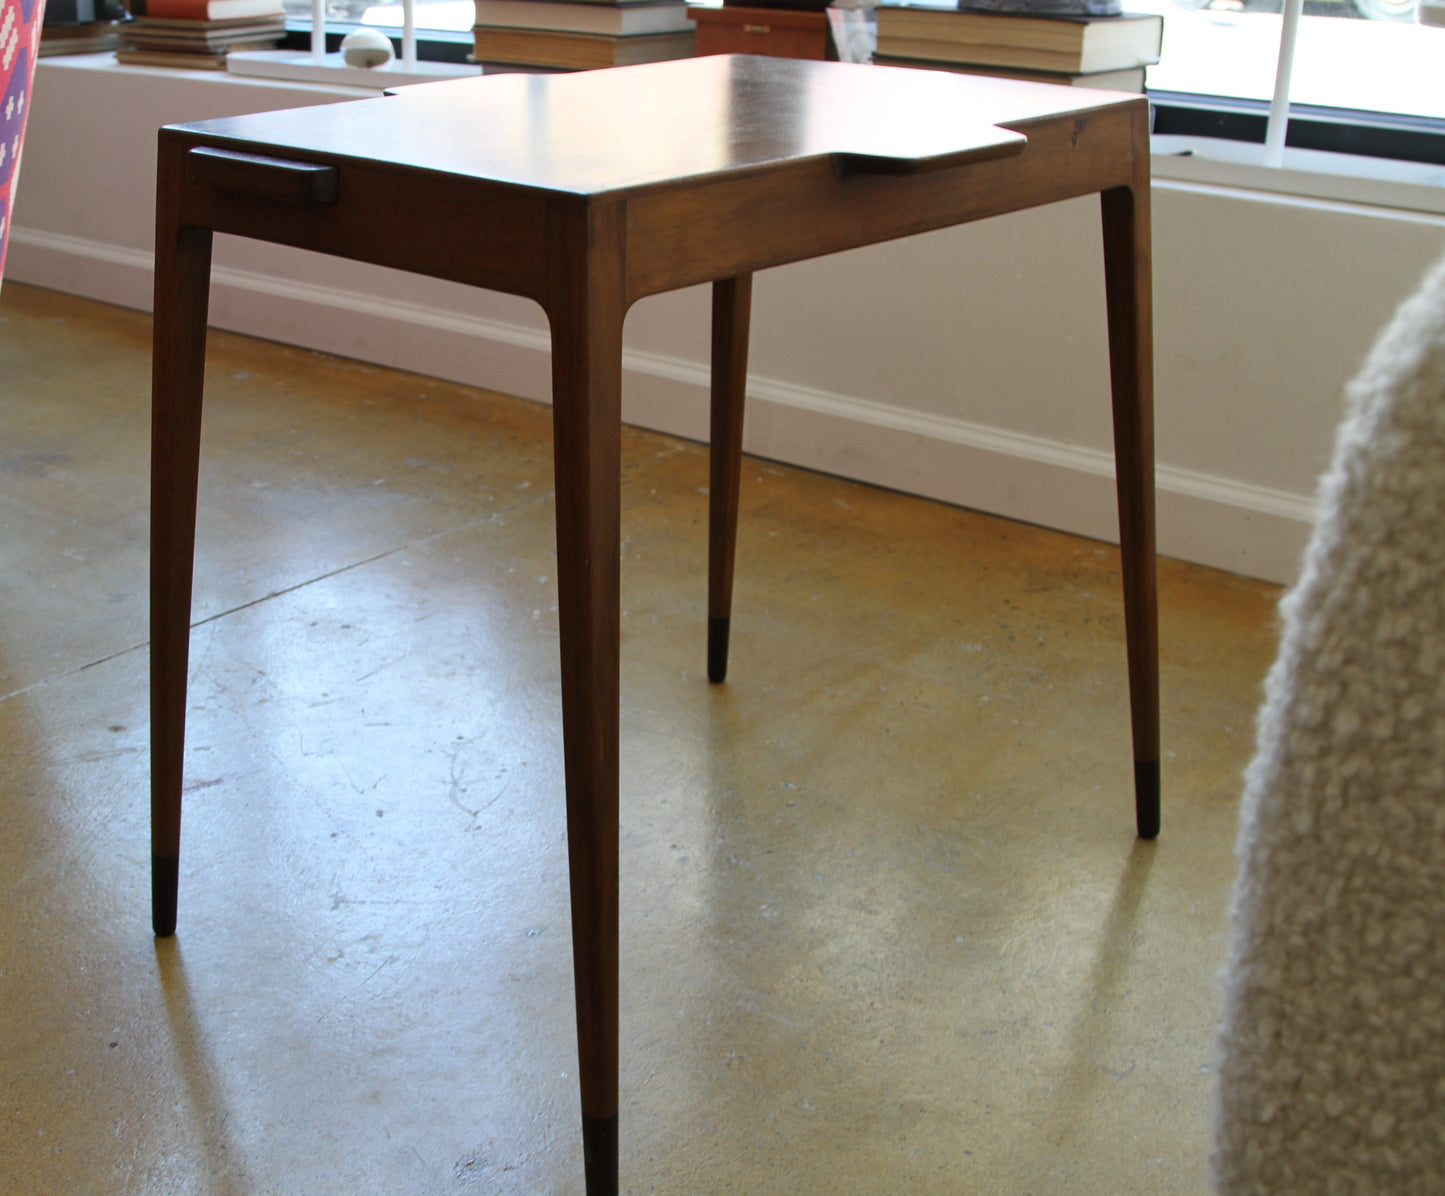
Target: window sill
[105, 62]
[1308, 174]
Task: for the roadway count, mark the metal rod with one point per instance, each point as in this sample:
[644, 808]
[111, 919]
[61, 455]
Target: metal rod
[1279, 106]
[318, 32]
[408, 35]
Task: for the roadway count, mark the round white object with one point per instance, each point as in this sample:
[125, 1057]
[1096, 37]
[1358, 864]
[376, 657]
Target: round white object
[366, 47]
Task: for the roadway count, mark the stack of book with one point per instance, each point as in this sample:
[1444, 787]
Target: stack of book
[199, 33]
[1079, 50]
[575, 35]
[74, 27]
[80, 37]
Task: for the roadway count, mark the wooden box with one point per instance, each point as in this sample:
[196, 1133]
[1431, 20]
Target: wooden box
[776, 32]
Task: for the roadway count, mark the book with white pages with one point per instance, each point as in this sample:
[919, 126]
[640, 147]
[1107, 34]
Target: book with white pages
[618, 20]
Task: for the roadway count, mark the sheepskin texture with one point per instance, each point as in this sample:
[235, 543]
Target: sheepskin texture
[1331, 1074]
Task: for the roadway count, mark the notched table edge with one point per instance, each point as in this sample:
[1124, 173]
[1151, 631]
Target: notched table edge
[992, 142]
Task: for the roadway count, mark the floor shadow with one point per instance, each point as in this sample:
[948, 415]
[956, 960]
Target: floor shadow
[1086, 1068]
[222, 1170]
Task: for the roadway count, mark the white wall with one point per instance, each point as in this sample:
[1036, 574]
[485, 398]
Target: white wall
[967, 365]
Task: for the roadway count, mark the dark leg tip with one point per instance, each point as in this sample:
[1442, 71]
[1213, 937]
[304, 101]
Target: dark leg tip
[717, 649]
[599, 1154]
[1146, 798]
[165, 879]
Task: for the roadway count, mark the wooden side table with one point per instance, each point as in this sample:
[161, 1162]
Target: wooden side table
[586, 192]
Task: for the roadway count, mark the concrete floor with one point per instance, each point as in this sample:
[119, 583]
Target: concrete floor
[886, 928]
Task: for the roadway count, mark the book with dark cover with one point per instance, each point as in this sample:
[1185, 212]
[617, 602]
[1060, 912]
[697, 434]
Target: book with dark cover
[1047, 8]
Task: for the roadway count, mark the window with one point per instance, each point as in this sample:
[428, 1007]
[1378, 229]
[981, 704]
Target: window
[1366, 78]
[456, 16]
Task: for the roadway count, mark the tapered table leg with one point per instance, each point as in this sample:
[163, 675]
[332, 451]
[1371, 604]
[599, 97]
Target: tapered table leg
[182, 282]
[1127, 271]
[732, 300]
[586, 313]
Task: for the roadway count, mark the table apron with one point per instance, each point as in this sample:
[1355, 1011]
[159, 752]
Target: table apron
[448, 227]
[500, 237]
[732, 226]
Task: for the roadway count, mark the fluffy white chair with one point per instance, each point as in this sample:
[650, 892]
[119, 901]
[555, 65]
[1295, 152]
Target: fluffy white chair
[1332, 1053]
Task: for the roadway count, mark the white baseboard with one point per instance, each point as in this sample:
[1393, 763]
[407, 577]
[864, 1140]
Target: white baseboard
[1205, 519]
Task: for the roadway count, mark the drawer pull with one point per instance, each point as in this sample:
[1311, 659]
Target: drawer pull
[278, 179]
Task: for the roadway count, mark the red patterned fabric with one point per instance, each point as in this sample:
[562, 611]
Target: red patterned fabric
[19, 44]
